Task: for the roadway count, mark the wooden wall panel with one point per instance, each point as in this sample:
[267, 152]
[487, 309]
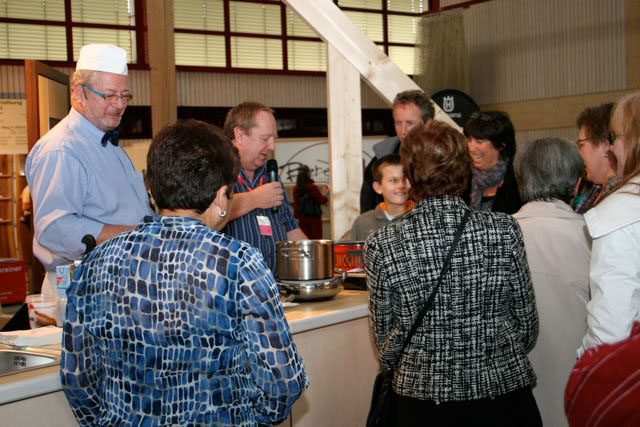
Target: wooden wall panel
[226, 89]
[522, 49]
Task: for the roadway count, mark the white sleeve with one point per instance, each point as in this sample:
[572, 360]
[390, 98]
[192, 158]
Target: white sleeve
[615, 287]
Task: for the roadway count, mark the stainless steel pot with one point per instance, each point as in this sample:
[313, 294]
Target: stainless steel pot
[304, 259]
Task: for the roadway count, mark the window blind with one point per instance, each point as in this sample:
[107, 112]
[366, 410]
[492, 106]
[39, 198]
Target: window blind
[199, 14]
[413, 6]
[363, 4]
[48, 42]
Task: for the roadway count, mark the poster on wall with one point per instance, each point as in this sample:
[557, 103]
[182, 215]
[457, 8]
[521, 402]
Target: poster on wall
[13, 126]
[291, 154]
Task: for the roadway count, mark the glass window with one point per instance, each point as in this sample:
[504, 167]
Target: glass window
[51, 10]
[253, 52]
[118, 12]
[404, 57]
[198, 14]
[297, 27]
[255, 18]
[363, 4]
[19, 41]
[402, 28]
[413, 6]
[48, 41]
[369, 23]
[257, 34]
[200, 49]
[307, 55]
[123, 38]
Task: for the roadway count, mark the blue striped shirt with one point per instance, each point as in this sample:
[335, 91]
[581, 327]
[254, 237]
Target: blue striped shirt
[246, 227]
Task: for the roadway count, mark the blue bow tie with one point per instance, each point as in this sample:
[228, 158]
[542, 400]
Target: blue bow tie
[111, 136]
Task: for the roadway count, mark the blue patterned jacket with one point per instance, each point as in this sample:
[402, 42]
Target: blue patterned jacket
[174, 323]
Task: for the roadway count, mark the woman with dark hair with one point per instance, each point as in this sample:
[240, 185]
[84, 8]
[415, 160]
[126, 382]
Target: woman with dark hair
[491, 140]
[467, 362]
[175, 323]
[614, 225]
[306, 203]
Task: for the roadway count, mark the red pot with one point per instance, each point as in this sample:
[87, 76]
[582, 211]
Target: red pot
[348, 255]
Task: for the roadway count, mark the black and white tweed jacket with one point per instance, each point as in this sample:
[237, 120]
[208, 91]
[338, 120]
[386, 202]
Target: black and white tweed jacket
[474, 342]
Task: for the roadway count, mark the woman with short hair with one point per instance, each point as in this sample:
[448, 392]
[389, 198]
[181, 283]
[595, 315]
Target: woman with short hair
[558, 251]
[491, 140]
[175, 323]
[467, 362]
[614, 225]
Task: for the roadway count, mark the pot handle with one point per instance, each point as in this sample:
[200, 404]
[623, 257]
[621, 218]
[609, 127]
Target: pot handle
[295, 251]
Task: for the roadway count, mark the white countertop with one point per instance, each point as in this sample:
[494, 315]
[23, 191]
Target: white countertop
[346, 306]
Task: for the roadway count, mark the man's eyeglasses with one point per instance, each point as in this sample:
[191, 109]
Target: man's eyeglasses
[580, 142]
[110, 98]
[611, 137]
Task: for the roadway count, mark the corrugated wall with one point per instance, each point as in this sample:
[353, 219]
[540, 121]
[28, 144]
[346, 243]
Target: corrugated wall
[224, 89]
[523, 49]
[12, 83]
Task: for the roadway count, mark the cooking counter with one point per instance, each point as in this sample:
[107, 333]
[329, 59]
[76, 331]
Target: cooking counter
[303, 317]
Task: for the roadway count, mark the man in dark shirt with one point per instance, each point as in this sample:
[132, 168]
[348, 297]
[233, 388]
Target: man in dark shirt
[410, 109]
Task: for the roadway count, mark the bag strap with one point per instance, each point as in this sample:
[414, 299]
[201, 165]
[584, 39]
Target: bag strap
[432, 297]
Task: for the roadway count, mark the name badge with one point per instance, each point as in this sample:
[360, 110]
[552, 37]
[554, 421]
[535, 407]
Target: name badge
[264, 225]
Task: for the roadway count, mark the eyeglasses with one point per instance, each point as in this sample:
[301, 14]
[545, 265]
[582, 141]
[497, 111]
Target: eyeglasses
[482, 116]
[110, 98]
[611, 137]
[580, 142]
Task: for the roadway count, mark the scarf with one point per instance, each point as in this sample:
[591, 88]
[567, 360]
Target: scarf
[483, 179]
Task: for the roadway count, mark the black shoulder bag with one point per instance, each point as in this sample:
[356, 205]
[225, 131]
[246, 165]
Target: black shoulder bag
[380, 399]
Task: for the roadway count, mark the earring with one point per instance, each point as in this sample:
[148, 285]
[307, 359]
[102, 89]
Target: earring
[222, 214]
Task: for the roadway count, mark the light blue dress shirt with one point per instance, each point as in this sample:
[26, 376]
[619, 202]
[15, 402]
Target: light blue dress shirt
[77, 186]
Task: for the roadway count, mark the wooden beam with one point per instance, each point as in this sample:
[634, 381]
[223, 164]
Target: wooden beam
[380, 72]
[345, 141]
[162, 77]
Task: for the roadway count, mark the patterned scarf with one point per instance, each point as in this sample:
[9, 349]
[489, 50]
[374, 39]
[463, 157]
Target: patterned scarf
[483, 179]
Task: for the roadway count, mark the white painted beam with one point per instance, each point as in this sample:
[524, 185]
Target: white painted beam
[333, 26]
[345, 141]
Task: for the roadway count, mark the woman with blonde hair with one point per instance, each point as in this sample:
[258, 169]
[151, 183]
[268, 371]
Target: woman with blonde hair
[614, 225]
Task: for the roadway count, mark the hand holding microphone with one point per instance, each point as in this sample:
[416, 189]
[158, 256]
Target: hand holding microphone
[272, 171]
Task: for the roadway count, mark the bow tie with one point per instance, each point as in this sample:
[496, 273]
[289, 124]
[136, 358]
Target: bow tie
[111, 136]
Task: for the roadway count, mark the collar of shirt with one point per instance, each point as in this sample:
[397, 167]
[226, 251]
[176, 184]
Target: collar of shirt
[93, 133]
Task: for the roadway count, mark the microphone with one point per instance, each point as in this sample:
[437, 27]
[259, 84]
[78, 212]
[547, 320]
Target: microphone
[272, 170]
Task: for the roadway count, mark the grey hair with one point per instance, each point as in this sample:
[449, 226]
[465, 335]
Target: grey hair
[548, 169]
[82, 77]
[420, 99]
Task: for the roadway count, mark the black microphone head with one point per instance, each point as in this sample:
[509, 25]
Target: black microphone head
[272, 165]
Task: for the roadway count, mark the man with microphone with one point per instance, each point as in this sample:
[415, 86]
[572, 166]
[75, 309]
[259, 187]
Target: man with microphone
[260, 214]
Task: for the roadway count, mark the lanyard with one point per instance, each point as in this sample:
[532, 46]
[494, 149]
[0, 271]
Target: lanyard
[245, 184]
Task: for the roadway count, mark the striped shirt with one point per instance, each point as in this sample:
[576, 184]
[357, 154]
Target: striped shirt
[246, 227]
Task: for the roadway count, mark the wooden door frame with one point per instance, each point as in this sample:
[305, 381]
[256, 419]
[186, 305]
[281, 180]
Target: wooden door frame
[32, 70]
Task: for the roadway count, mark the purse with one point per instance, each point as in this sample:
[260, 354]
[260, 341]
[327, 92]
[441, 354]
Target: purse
[309, 206]
[379, 414]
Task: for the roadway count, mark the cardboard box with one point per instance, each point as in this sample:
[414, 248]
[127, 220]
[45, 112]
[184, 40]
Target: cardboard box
[13, 281]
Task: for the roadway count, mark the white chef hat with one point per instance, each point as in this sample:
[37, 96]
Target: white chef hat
[103, 57]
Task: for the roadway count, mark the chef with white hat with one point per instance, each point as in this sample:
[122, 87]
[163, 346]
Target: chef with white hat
[82, 182]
